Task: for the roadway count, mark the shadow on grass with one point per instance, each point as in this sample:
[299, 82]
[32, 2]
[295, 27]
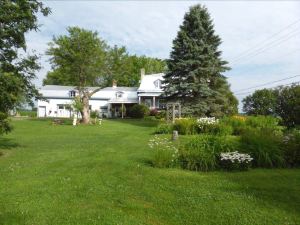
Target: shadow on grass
[137, 122]
[11, 218]
[6, 143]
[276, 187]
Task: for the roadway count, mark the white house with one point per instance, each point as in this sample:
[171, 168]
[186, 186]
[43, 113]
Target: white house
[107, 101]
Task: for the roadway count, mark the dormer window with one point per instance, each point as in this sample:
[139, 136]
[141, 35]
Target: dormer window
[72, 93]
[157, 84]
[119, 94]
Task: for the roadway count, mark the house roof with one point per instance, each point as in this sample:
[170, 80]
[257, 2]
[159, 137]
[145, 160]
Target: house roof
[62, 88]
[119, 89]
[147, 83]
[70, 88]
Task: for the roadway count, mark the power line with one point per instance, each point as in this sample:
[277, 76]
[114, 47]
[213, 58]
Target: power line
[268, 46]
[267, 39]
[272, 82]
[282, 85]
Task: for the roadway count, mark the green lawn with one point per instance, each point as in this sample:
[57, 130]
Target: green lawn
[58, 174]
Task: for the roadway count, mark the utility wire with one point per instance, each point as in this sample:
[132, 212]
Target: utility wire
[281, 85]
[261, 85]
[267, 47]
[267, 39]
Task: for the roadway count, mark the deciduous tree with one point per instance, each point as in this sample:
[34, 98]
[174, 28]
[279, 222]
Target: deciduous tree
[16, 71]
[79, 60]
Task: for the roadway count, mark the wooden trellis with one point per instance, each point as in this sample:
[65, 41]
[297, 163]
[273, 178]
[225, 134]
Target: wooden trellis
[173, 112]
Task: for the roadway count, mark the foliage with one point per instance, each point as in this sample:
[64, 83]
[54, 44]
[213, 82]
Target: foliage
[125, 68]
[288, 105]
[264, 146]
[164, 128]
[221, 129]
[77, 104]
[17, 72]
[291, 147]
[79, 60]
[264, 122]
[261, 102]
[119, 66]
[28, 113]
[94, 114]
[235, 161]
[238, 124]
[195, 77]
[138, 111]
[283, 102]
[185, 126]
[201, 153]
[165, 153]
[5, 126]
[161, 114]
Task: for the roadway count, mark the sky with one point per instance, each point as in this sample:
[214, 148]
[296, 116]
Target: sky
[261, 39]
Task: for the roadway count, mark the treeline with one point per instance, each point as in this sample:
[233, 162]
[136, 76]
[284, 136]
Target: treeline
[281, 102]
[115, 63]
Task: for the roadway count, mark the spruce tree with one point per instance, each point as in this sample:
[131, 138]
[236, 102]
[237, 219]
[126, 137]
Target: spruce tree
[195, 77]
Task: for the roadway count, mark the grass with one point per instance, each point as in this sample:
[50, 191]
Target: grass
[58, 174]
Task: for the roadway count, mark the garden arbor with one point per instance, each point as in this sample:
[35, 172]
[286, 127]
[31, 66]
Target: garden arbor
[173, 111]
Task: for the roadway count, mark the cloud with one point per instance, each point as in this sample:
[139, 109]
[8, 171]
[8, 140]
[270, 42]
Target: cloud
[148, 28]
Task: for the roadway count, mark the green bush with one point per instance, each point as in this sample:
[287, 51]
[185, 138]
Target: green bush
[164, 128]
[201, 153]
[264, 146]
[260, 122]
[237, 124]
[221, 129]
[28, 113]
[138, 111]
[161, 114]
[185, 126]
[291, 148]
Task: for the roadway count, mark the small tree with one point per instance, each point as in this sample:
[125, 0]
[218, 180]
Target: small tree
[78, 59]
[288, 104]
[261, 102]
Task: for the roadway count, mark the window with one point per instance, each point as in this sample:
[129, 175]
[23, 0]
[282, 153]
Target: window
[148, 102]
[103, 109]
[157, 84]
[119, 94]
[60, 106]
[72, 93]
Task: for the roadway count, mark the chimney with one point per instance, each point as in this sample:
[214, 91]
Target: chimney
[114, 83]
[142, 73]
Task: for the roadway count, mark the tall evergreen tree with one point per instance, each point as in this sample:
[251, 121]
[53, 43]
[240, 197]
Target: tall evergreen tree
[195, 66]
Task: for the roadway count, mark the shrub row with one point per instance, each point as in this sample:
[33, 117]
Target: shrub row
[257, 139]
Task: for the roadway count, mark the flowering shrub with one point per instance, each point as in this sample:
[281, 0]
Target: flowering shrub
[235, 161]
[165, 153]
[207, 124]
[202, 122]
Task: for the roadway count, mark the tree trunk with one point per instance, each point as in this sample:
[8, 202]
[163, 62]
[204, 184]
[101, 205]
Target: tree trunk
[85, 110]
